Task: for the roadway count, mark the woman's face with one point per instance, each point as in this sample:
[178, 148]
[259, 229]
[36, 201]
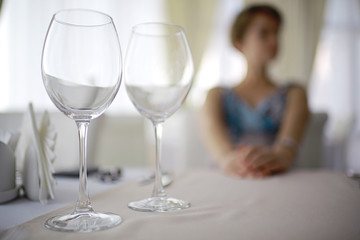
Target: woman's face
[260, 42]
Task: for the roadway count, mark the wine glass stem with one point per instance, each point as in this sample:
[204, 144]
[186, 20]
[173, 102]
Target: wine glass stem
[83, 203]
[158, 187]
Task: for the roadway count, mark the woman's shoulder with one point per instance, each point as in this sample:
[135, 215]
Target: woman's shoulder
[219, 96]
[296, 97]
[217, 92]
[213, 96]
[295, 89]
[291, 85]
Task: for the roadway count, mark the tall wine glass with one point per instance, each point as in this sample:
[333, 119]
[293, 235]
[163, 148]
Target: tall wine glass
[81, 69]
[158, 74]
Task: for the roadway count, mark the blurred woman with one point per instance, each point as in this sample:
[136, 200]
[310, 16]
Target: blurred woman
[254, 128]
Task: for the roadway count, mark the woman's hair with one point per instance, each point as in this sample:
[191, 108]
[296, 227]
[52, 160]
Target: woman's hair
[245, 18]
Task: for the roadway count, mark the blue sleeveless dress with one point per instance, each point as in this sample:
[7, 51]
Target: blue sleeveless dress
[254, 125]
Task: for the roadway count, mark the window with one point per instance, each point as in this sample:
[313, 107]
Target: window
[23, 25]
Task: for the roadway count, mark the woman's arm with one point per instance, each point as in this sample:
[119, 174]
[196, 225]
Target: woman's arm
[213, 128]
[280, 156]
[293, 125]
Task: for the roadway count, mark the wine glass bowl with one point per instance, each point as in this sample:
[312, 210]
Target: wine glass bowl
[80, 65]
[158, 73]
[158, 66]
[81, 69]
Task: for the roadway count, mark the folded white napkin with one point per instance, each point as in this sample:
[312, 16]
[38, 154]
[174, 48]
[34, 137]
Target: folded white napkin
[35, 151]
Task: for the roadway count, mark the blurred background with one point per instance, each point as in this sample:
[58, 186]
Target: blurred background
[320, 50]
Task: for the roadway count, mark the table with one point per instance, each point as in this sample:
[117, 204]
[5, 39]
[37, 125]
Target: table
[301, 204]
[66, 191]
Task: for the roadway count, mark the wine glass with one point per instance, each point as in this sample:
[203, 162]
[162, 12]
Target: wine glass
[81, 70]
[158, 74]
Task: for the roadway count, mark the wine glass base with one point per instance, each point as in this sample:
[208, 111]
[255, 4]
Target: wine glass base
[83, 222]
[159, 204]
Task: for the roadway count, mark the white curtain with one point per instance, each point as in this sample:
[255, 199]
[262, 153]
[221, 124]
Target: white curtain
[221, 64]
[335, 84]
[23, 25]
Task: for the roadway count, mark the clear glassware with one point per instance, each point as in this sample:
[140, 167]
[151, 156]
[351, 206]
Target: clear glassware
[81, 69]
[158, 75]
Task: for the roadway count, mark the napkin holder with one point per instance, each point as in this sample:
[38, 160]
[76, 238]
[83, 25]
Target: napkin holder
[36, 151]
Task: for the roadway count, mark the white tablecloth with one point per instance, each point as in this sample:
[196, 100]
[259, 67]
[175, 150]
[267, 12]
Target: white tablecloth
[296, 205]
[66, 191]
